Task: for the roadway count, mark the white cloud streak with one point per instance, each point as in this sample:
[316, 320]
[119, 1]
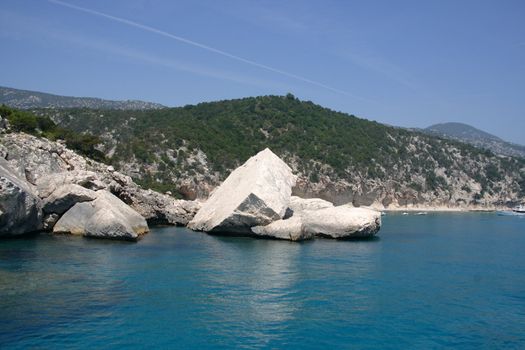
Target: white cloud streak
[36, 29]
[202, 46]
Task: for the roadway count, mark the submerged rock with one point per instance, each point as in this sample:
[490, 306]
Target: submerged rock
[105, 217]
[19, 206]
[257, 193]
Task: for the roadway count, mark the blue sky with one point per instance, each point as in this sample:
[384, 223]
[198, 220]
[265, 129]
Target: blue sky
[406, 63]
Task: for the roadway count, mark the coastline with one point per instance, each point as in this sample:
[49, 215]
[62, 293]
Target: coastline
[431, 208]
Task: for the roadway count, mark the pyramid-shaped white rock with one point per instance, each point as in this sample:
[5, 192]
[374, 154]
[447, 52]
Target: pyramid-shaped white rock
[256, 193]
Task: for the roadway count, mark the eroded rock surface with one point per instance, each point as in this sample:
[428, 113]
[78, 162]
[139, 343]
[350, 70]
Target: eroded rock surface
[49, 165]
[291, 229]
[105, 217]
[65, 196]
[342, 222]
[20, 210]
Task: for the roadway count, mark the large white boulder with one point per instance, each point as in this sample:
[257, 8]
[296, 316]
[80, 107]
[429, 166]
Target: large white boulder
[105, 217]
[330, 222]
[342, 222]
[292, 229]
[256, 193]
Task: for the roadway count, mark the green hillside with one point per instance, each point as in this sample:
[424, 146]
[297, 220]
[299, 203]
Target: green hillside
[164, 148]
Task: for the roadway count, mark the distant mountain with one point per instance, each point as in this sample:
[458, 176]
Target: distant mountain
[478, 138]
[25, 99]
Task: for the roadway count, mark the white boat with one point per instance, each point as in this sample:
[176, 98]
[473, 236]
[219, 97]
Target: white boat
[422, 213]
[519, 209]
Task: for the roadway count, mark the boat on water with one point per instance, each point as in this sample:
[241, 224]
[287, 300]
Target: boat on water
[422, 213]
[516, 211]
[519, 209]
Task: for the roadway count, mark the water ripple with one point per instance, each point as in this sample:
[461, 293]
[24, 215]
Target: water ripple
[442, 281]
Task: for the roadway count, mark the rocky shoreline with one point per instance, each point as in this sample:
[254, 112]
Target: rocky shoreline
[47, 187]
[45, 184]
[442, 209]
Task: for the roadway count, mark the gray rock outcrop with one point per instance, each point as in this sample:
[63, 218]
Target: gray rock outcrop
[47, 184]
[50, 221]
[257, 193]
[104, 217]
[65, 196]
[49, 165]
[20, 210]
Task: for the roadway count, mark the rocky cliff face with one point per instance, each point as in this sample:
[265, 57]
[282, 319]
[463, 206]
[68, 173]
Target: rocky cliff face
[47, 166]
[430, 175]
[446, 178]
[20, 209]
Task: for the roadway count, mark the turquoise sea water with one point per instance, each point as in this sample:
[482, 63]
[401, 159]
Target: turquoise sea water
[435, 281]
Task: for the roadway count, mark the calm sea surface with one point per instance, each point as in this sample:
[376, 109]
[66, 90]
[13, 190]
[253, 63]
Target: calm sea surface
[435, 281]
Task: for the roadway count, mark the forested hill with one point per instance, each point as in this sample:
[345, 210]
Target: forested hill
[189, 150]
[25, 99]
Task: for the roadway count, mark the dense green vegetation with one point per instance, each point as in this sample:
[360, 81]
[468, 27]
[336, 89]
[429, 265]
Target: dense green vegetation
[24, 121]
[322, 141]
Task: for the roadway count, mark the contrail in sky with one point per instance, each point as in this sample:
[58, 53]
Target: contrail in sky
[202, 46]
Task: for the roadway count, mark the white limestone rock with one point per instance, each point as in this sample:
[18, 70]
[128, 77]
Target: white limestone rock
[299, 205]
[257, 193]
[342, 222]
[20, 208]
[331, 222]
[291, 229]
[105, 217]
